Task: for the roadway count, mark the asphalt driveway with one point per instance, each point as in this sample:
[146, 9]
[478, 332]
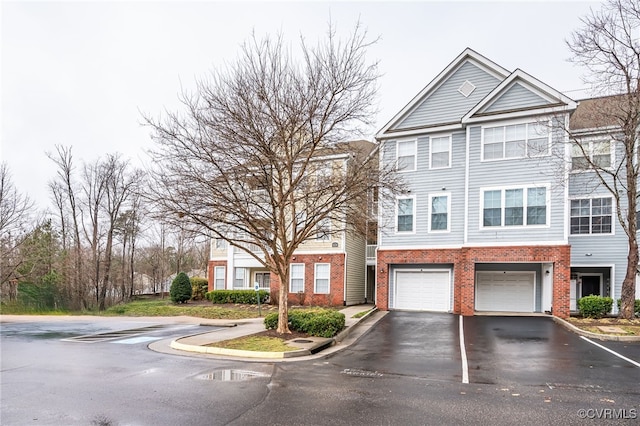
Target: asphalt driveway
[510, 350]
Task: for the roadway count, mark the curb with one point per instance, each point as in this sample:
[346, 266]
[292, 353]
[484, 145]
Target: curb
[604, 337]
[311, 350]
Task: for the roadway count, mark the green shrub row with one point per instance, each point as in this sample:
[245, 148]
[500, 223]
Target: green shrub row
[636, 306]
[237, 296]
[595, 306]
[316, 322]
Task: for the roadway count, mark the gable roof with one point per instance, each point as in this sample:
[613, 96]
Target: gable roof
[501, 93]
[467, 56]
[549, 99]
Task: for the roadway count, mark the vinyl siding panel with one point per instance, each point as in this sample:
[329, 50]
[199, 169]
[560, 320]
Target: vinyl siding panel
[516, 96]
[446, 104]
[422, 183]
[538, 171]
[603, 249]
[355, 269]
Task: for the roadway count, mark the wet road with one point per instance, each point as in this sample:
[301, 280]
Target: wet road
[407, 370]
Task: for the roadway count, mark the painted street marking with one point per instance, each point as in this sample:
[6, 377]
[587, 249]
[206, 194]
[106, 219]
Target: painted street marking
[463, 354]
[637, 364]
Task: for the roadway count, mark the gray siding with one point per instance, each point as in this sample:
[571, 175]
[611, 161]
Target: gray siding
[516, 96]
[355, 269]
[422, 183]
[599, 250]
[514, 172]
[446, 104]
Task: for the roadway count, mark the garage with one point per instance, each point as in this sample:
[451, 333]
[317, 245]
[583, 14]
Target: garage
[423, 290]
[505, 291]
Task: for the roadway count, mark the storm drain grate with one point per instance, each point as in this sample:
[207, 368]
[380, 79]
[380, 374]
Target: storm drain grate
[112, 335]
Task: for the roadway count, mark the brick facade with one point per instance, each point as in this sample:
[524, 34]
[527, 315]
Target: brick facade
[464, 261]
[335, 297]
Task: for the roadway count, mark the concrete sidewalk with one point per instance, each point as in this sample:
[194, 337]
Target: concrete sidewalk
[312, 347]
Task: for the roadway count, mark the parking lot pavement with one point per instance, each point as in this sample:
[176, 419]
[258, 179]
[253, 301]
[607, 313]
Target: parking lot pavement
[537, 351]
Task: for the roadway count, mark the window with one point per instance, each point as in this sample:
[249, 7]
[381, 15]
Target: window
[296, 281]
[598, 152]
[218, 277]
[405, 215]
[439, 205]
[406, 153]
[323, 229]
[238, 278]
[440, 152]
[322, 278]
[514, 207]
[591, 216]
[263, 279]
[221, 244]
[515, 141]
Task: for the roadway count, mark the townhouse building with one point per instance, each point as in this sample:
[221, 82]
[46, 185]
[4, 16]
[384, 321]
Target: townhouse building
[500, 214]
[329, 269]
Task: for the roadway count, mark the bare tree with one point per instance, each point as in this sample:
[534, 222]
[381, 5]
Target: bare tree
[244, 161]
[607, 46]
[65, 196]
[15, 212]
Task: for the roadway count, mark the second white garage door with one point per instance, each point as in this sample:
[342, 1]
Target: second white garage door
[505, 291]
[423, 290]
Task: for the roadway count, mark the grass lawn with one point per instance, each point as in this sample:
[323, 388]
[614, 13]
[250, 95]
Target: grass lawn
[256, 343]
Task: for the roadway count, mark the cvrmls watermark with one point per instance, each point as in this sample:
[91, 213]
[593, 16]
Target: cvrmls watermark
[608, 413]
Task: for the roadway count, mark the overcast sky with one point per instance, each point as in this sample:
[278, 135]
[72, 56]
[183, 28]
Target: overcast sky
[79, 73]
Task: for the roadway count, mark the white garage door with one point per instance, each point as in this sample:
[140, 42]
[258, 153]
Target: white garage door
[505, 291]
[422, 291]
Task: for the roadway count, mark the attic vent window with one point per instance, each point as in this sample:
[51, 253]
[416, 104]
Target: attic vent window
[467, 88]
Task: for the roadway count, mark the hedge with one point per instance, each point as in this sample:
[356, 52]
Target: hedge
[237, 296]
[315, 322]
[636, 306]
[595, 306]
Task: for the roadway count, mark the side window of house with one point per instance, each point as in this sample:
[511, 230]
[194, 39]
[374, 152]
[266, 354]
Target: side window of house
[439, 209]
[219, 272]
[406, 153]
[591, 216]
[514, 207]
[515, 141]
[238, 278]
[440, 152]
[322, 274]
[588, 154]
[296, 281]
[323, 229]
[405, 215]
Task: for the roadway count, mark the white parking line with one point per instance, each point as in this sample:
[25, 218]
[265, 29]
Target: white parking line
[463, 354]
[637, 364]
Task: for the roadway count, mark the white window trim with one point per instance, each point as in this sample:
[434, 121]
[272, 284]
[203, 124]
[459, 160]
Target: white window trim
[216, 278]
[413, 227]
[415, 155]
[291, 276]
[524, 207]
[244, 277]
[590, 141]
[514, 123]
[431, 151]
[614, 217]
[431, 197]
[315, 278]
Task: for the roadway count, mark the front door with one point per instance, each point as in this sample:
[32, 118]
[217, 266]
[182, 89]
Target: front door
[590, 285]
